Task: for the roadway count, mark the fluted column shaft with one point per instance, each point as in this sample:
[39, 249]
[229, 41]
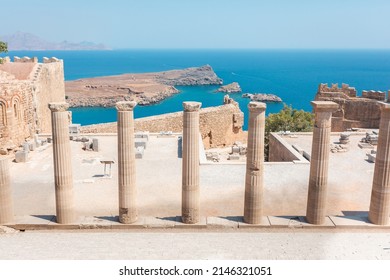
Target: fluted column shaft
[319, 161]
[190, 164]
[380, 194]
[128, 212]
[62, 156]
[6, 200]
[253, 205]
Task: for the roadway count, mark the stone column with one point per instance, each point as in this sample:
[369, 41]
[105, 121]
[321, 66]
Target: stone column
[380, 194]
[6, 201]
[319, 160]
[62, 156]
[253, 206]
[190, 164]
[128, 212]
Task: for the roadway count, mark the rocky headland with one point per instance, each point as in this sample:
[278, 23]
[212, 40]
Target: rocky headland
[262, 97]
[145, 88]
[230, 88]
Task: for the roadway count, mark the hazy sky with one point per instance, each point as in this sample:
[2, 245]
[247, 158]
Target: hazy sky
[204, 23]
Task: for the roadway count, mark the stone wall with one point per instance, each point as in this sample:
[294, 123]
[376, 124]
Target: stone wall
[219, 126]
[372, 94]
[281, 151]
[26, 88]
[354, 111]
[50, 87]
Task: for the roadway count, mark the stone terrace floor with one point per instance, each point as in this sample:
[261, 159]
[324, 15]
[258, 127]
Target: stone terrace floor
[159, 182]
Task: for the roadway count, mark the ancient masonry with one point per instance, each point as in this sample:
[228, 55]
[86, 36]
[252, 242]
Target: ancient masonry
[316, 204]
[354, 111]
[26, 88]
[316, 200]
[62, 156]
[219, 126]
[254, 164]
[190, 169]
[126, 163]
[380, 195]
[6, 202]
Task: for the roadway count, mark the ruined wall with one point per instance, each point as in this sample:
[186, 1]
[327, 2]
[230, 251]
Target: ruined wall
[50, 87]
[280, 150]
[354, 111]
[219, 126]
[26, 87]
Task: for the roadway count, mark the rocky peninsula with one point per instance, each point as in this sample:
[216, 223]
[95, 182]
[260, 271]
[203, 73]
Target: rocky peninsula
[145, 88]
[262, 97]
[230, 88]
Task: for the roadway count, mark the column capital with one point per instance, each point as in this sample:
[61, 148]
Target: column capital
[191, 106]
[254, 106]
[58, 106]
[324, 106]
[126, 105]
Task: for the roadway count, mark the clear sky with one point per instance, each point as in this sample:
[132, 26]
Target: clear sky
[204, 23]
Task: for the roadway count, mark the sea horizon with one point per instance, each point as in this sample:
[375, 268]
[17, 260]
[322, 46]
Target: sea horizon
[292, 74]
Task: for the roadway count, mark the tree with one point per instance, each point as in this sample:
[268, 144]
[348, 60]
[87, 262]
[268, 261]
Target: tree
[288, 119]
[3, 48]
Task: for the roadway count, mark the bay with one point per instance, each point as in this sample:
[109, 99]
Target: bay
[294, 75]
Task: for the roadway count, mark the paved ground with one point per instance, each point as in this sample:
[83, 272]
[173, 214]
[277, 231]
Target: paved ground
[159, 183]
[195, 245]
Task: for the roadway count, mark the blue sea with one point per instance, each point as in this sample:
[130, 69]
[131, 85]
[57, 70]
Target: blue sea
[294, 75]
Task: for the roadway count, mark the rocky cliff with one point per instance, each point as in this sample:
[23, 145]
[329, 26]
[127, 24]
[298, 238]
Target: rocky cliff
[146, 88]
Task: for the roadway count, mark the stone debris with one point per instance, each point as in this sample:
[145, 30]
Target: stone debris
[344, 138]
[139, 152]
[338, 148]
[371, 156]
[74, 129]
[371, 138]
[213, 156]
[21, 156]
[7, 230]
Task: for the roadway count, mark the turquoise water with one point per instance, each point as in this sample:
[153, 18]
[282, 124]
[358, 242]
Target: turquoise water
[293, 75]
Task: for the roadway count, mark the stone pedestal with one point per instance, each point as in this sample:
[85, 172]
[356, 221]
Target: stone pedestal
[190, 167]
[254, 164]
[6, 200]
[319, 160]
[380, 194]
[62, 156]
[128, 212]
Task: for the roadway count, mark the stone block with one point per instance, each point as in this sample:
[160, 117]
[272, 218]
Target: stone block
[21, 156]
[95, 144]
[32, 145]
[74, 129]
[234, 157]
[235, 149]
[140, 143]
[139, 152]
[143, 134]
[371, 158]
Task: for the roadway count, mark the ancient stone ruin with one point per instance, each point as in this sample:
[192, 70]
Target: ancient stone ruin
[354, 111]
[26, 87]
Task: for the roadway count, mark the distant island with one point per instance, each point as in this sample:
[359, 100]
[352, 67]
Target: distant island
[27, 41]
[262, 97]
[145, 88]
[230, 88]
